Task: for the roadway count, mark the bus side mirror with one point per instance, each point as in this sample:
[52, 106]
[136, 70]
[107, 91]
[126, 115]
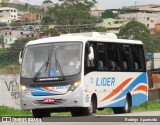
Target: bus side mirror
[20, 57]
[91, 54]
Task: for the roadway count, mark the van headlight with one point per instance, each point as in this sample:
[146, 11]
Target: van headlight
[25, 89]
[74, 86]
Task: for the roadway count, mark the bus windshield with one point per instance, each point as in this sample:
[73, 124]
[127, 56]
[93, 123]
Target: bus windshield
[52, 60]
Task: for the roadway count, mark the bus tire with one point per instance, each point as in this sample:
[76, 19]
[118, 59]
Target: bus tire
[86, 111]
[125, 109]
[81, 112]
[77, 112]
[93, 106]
[128, 105]
[39, 113]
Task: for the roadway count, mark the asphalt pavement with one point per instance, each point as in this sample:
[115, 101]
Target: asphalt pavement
[139, 118]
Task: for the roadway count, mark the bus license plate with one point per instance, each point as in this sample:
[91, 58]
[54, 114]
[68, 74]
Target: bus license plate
[48, 100]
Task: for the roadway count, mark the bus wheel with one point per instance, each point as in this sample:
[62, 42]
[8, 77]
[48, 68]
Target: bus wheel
[125, 109]
[39, 113]
[77, 112]
[92, 109]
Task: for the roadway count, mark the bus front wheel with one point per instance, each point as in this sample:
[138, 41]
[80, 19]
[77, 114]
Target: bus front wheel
[93, 105]
[85, 111]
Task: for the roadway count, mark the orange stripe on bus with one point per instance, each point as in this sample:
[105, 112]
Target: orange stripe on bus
[142, 87]
[46, 88]
[117, 89]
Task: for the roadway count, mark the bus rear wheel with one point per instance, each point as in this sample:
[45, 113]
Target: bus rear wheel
[39, 113]
[125, 109]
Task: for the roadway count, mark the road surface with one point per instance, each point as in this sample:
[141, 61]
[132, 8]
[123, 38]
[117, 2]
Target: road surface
[139, 118]
[150, 116]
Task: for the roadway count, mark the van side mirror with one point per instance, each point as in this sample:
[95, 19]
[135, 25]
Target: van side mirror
[91, 54]
[20, 57]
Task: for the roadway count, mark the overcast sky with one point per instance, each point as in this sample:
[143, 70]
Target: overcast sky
[108, 4]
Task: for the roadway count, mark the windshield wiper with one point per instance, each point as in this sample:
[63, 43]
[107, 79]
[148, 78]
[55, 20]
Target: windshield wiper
[59, 67]
[39, 72]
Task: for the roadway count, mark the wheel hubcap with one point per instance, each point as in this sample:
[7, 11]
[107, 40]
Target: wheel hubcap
[126, 106]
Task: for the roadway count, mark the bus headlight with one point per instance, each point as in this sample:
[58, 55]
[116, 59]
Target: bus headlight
[74, 86]
[25, 89]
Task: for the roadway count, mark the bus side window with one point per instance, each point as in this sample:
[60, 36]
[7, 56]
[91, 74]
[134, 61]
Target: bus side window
[113, 57]
[89, 64]
[101, 57]
[126, 57]
[137, 57]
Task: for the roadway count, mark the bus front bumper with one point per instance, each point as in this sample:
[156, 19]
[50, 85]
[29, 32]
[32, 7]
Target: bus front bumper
[70, 99]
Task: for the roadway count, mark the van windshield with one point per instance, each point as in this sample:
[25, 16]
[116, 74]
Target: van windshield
[52, 60]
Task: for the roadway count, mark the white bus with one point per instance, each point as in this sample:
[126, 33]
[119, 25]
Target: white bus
[81, 73]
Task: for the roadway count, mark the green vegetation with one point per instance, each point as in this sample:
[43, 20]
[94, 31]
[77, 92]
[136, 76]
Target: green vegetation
[6, 57]
[156, 41]
[109, 14]
[72, 16]
[148, 106]
[3, 24]
[10, 56]
[138, 31]
[5, 111]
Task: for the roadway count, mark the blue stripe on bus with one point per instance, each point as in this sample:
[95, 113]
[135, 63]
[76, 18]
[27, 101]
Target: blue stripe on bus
[44, 93]
[40, 92]
[138, 99]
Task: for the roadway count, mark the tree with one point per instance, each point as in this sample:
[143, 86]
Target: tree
[109, 14]
[47, 20]
[17, 47]
[100, 29]
[126, 10]
[53, 32]
[47, 1]
[137, 30]
[133, 30]
[2, 42]
[15, 23]
[3, 24]
[156, 41]
[73, 15]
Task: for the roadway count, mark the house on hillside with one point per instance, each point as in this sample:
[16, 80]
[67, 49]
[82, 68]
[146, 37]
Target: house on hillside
[148, 7]
[8, 14]
[148, 19]
[31, 17]
[97, 10]
[10, 36]
[113, 25]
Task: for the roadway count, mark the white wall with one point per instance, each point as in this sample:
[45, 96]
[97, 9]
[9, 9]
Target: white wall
[149, 19]
[9, 91]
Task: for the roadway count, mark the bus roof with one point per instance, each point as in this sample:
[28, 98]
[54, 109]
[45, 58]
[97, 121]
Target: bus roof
[84, 37]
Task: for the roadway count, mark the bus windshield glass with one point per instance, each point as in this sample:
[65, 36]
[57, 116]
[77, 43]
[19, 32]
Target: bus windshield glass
[52, 60]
